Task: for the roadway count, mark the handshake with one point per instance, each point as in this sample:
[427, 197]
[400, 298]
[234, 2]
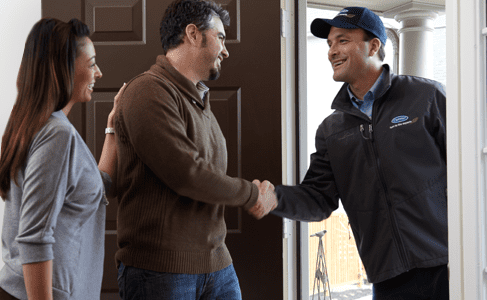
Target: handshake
[267, 200]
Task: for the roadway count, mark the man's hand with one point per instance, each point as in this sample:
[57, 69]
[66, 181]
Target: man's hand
[267, 200]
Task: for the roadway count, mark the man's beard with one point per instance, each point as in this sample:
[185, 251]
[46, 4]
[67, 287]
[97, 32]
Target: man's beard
[214, 74]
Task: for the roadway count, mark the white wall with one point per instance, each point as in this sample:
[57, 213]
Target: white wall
[16, 20]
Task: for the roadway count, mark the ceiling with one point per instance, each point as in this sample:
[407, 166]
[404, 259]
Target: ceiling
[378, 6]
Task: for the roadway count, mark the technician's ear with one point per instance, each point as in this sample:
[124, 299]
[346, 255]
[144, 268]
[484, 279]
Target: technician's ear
[374, 46]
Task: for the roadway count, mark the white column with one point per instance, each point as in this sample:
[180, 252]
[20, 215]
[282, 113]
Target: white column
[416, 42]
[416, 38]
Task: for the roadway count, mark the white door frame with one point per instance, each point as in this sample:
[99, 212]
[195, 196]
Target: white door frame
[466, 113]
[466, 147]
[288, 125]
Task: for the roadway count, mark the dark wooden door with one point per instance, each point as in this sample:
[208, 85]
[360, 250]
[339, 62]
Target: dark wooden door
[246, 100]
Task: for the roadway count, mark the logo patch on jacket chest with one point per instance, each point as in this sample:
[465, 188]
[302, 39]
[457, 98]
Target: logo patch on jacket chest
[401, 121]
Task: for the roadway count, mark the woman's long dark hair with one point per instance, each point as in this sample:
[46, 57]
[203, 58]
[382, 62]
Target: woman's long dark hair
[45, 85]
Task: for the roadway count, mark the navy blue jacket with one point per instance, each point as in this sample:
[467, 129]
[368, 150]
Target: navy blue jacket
[389, 172]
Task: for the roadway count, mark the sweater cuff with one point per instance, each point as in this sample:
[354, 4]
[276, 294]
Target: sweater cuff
[31, 253]
[254, 194]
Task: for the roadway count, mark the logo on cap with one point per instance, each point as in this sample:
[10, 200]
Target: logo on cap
[344, 13]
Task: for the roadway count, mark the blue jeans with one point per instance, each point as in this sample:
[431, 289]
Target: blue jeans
[140, 284]
[428, 283]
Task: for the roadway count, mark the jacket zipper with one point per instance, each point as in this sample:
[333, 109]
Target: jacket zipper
[362, 131]
[397, 237]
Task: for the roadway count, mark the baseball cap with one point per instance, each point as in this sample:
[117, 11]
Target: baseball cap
[351, 18]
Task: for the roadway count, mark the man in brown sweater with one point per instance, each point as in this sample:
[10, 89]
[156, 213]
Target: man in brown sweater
[172, 160]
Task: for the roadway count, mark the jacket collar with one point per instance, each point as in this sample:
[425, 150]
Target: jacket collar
[163, 67]
[342, 100]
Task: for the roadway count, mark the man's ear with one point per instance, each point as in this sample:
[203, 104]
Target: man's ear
[374, 46]
[191, 33]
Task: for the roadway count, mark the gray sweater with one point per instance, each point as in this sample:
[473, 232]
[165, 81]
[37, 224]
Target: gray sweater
[56, 213]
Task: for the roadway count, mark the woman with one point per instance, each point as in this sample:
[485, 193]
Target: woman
[54, 192]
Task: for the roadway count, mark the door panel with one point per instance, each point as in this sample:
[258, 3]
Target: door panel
[226, 105]
[246, 100]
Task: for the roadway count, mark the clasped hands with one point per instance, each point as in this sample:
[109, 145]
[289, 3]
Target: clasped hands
[267, 200]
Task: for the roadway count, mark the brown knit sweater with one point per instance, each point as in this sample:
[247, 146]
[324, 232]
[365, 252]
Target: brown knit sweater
[171, 178]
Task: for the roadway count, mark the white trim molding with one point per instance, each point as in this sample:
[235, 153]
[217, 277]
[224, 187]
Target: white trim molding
[414, 6]
[288, 125]
[466, 137]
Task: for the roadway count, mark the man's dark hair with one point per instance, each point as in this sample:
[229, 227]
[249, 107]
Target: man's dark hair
[181, 13]
[368, 37]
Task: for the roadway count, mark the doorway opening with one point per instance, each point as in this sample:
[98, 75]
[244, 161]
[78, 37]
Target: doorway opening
[346, 274]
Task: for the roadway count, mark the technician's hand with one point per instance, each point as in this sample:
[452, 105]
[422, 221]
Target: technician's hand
[267, 200]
